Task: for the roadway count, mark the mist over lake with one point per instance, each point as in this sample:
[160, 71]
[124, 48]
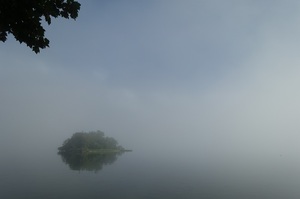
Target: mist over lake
[137, 174]
[205, 93]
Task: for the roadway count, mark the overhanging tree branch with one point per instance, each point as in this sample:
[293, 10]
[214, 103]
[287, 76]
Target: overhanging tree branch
[23, 19]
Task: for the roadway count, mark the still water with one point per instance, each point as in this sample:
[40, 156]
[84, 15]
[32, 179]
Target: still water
[137, 174]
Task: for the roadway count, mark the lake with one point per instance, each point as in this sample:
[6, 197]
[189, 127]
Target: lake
[137, 174]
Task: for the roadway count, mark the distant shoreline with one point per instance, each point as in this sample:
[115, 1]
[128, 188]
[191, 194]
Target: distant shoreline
[103, 151]
[95, 151]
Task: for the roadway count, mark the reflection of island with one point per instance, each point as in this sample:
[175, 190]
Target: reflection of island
[90, 151]
[89, 162]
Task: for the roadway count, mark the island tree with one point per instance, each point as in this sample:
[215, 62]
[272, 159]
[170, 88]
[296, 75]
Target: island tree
[90, 142]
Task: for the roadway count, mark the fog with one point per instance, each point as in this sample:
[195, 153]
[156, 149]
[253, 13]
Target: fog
[194, 76]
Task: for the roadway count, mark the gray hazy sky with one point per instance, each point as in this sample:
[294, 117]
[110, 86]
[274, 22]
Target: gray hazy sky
[213, 75]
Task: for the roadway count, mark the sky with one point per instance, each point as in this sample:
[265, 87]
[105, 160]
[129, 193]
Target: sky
[209, 75]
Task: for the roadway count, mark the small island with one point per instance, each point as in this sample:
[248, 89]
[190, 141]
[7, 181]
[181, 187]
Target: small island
[87, 143]
[90, 151]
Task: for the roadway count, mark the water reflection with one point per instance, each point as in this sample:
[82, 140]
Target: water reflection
[90, 162]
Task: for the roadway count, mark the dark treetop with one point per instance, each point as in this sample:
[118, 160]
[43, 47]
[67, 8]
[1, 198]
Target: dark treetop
[23, 19]
[91, 142]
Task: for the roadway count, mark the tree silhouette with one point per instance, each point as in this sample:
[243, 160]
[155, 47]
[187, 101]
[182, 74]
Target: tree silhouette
[23, 19]
[86, 142]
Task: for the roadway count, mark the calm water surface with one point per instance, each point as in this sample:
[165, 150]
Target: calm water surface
[144, 175]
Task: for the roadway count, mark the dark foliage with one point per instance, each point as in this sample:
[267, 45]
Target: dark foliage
[82, 142]
[23, 19]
